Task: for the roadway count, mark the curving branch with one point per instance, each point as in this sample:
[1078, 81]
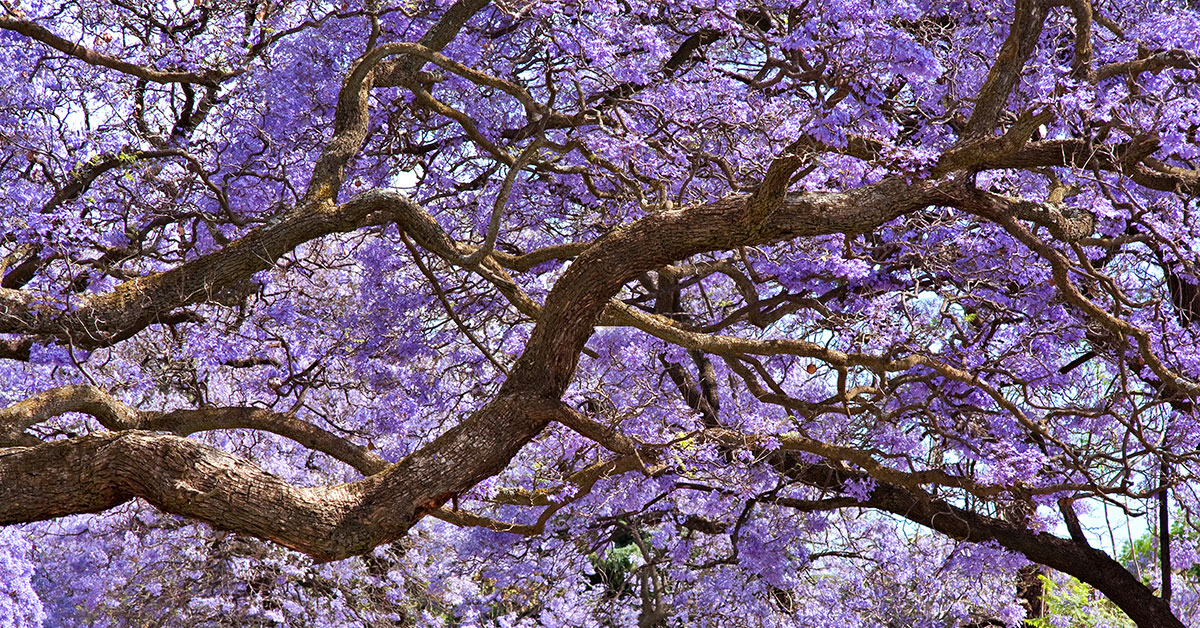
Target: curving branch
[1029, 16]
[85, 174]
[185, 477]
[350, 121]
[91, 400]
[1152, 63]
[182, 476]
[43, 35]
[102, 319]
[1081, 64]
[1089, 565]
[997, 210]
[145, 455]
[117, 416]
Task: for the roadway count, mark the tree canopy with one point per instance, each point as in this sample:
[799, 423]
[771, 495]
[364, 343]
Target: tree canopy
[599, 313]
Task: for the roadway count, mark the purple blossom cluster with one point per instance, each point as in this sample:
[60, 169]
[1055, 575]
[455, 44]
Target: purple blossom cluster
[781, 313]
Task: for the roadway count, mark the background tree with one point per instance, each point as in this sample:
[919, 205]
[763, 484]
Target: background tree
[595, 313]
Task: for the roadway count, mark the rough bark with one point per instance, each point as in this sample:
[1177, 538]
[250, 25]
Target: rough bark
[1089, 565]
[145, 455]
[333, 522]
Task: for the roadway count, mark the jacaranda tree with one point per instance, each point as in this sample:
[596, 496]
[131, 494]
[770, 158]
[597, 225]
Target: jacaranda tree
[599, 313]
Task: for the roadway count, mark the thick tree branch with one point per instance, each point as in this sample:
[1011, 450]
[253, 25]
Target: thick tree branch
[190, 421]
[580, 296]
[102, 319]
[349, 519]
[1154, 63]
[1077, 559]
[39, 33]
[1081, 64]
[1085, 563]
[181, 476]
[85, 399]
[116, 416]
[350, 123]
[1028, 18]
